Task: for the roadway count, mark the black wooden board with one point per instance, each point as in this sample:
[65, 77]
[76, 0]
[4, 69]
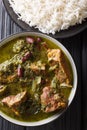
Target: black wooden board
[75, 118]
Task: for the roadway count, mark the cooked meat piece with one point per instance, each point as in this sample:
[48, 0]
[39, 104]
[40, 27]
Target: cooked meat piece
[37, 66]
[15, 100]
[54, 54]
[61, 75]
[51, 101]
[34, 68]
[63, 72]
[30, 40]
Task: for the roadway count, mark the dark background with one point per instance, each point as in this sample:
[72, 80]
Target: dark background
[75, 118]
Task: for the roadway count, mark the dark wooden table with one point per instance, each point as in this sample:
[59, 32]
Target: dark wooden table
[75, 118]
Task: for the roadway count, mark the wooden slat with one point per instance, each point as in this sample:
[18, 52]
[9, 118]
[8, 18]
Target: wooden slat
[7, 27]
[1, 123]
[84, 83]
[10, 126]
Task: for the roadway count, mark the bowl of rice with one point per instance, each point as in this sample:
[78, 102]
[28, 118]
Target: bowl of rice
[56, 18]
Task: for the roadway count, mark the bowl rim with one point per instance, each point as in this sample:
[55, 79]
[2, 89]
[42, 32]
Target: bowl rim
[73, 66]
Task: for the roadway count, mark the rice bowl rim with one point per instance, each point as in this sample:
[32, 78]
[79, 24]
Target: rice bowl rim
[71, 31]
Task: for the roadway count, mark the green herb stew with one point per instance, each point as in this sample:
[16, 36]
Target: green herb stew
[35, 79]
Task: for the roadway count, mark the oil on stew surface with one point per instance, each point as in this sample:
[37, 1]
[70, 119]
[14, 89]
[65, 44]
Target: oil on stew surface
[35, 79]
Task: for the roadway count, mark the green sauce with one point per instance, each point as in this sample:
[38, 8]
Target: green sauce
[5, 54]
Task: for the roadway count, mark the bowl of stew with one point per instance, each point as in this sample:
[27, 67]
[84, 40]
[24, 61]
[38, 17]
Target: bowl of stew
[38, 79]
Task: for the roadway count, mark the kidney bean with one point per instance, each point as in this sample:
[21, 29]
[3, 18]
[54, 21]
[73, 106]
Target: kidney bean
[43, 81]
[20, 71]
[26, 56]
[30, 40]
[39, 40]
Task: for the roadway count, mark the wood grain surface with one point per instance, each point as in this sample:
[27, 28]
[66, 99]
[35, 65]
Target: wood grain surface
[75, 118]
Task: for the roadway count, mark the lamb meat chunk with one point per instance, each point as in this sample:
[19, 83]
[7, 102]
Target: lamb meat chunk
[63, 72]
[15, 100]
[53, 54]
[37, 66]
[51, 101]
[61, 76]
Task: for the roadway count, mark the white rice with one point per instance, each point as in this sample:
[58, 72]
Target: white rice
[50, 16]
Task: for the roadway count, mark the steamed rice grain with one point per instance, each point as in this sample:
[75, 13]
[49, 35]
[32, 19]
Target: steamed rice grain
[50, 16]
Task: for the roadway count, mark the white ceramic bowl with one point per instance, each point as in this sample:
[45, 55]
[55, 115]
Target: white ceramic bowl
[73, 91]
